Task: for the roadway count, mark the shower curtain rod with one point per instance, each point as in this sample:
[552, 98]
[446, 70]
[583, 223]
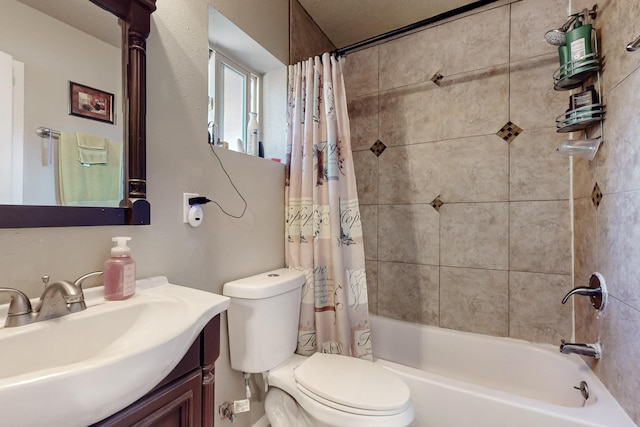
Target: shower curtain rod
[411, 27]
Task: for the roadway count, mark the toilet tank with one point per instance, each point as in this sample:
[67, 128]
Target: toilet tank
[262, 319]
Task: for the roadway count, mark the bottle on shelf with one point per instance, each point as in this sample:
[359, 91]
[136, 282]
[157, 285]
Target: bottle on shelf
[252, 134]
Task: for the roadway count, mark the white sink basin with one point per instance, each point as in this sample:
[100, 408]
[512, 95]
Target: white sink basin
[79, 369]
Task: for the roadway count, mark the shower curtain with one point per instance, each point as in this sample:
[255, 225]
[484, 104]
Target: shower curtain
[323, 229]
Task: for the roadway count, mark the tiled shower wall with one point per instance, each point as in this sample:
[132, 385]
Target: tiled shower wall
[607, 235]
[465, 203]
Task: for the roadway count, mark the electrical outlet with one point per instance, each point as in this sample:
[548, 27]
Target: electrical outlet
[186, 206]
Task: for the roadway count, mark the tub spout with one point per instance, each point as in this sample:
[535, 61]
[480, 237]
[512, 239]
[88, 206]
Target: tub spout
[591, 350]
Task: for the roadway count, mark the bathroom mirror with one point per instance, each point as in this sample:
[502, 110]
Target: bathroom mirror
[134, 209]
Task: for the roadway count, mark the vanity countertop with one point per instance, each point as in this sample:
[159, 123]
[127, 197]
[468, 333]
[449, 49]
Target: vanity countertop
[80, 368]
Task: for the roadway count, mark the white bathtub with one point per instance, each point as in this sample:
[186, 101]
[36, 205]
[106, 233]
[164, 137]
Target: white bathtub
[460, 379]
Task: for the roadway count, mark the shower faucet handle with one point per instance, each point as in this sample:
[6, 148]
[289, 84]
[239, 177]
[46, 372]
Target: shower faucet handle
[597, 291]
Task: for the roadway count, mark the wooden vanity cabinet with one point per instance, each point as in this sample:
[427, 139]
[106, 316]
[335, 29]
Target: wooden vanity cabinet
[185, 397]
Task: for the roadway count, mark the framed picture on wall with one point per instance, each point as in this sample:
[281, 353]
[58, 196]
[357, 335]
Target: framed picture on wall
[90, 103]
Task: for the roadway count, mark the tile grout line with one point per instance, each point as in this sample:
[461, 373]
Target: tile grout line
[509, 185]
[378, 184]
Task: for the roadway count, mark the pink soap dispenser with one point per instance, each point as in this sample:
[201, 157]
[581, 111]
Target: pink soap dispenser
[119, 272]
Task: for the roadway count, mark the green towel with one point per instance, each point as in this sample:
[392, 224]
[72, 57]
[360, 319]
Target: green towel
[92, 149]
[89, 184]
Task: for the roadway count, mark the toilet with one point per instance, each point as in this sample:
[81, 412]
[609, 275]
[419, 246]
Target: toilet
[322, 390]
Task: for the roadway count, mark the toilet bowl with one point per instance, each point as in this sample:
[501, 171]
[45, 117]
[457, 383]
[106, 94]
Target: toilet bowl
[322, 390]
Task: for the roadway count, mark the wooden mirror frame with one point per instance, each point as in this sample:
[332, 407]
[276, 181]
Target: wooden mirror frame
[137, 17]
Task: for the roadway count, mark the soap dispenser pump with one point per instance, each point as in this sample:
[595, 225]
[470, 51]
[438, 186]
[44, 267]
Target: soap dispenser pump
[119, 272]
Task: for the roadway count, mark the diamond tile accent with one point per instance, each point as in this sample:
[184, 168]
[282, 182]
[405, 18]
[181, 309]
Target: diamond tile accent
[437, 77]
[378, 148]
[509, 132]
[437, 203]
[596, 196]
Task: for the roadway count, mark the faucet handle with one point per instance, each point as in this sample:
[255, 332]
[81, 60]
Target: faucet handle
[45, 280]
[582, 290]
[19, 309]
[20, 303]
[84, 277]
[597, 291]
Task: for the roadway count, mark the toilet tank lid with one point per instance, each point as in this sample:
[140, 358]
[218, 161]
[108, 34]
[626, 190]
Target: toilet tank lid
[265, 285]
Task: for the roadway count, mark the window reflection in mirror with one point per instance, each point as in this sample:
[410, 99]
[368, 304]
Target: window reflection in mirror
[264, 88]
[52, 54]
[233, 92]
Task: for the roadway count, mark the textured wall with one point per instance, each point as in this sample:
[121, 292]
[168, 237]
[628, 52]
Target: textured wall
[466, 209]
[607, 237]
[267, 22]
[306, 39]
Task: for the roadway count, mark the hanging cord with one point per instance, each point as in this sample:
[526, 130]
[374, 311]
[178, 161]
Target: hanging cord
[203, 200]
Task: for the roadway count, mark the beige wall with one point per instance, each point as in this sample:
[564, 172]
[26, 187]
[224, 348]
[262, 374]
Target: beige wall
[306, 39]
[607, 238]
[178, 160]
[267, 22]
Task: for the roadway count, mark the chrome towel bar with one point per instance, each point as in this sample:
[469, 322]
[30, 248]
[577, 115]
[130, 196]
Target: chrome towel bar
[47, 133]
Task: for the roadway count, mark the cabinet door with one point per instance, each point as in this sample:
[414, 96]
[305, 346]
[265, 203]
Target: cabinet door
[176, 405]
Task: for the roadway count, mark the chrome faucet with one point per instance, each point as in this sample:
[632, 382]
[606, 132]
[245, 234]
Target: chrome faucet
[596, 291]
[20, 312]
[582, 290]
[590, 350]
[58, 299]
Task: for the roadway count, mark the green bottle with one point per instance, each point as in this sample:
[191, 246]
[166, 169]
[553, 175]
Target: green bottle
[564, 54]
[579, 44]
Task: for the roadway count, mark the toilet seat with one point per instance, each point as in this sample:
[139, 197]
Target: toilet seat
[351, 409]
[283, 377]
[352, 385]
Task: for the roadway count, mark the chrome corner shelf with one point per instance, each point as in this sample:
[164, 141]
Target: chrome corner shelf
[580, 118]
[574, 73]
[571, 75]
